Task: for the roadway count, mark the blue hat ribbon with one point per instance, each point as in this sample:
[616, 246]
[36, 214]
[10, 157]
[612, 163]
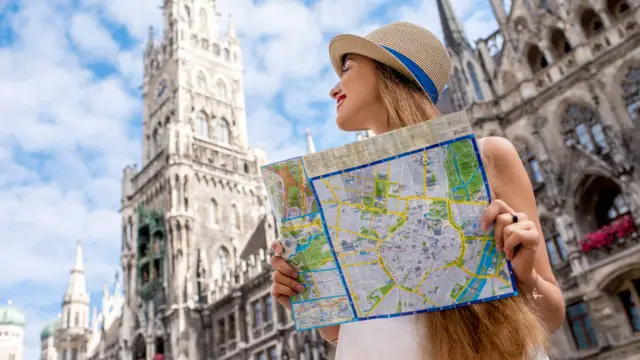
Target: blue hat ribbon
[422, 77]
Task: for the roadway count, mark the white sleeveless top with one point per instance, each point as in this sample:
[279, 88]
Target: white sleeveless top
[383, 339]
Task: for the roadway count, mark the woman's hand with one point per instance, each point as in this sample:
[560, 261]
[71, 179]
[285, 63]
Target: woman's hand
[284, 284]
[516, 236]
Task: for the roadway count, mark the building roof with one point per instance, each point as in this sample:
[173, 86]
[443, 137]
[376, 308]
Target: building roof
[9, 315]
[49, 329]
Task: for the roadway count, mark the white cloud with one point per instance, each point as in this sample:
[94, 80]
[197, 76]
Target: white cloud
[66, 130]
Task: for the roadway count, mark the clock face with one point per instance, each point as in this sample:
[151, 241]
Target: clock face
[162, 87]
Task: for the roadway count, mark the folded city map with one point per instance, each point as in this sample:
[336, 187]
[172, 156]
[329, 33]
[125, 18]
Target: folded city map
[388, 226]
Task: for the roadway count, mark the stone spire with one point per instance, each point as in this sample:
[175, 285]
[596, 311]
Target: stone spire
[231, 29]
[454, 37]
[311, 148]
[77, 283]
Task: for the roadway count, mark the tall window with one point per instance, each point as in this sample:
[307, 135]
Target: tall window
[555, 243]
[12, 356]
[204, 24]
[630, 302]
[223, 131]
[74, 354]
[476, 83]
[582, 125]
[268, 309]
[234, 218]
[202, 80]
[221, 88]
[257, 313]
[580, 325]
[631, 94]
[531, 163]
[221, 262]
[202, 125]
[273, 353]
[213, 212]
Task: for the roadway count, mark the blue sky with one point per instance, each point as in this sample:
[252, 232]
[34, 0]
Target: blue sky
[70, 108]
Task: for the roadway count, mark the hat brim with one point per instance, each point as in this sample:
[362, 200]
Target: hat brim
[344, 44]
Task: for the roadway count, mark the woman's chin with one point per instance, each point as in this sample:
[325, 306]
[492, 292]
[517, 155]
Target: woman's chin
[346, 125]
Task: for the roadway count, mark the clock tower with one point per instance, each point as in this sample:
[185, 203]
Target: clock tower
[190, 209]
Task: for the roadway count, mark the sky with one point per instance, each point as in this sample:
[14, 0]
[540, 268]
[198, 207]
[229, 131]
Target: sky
[71, 105]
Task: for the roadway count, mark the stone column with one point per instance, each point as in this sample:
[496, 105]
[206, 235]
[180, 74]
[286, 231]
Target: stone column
[567, 230]
[600, 309]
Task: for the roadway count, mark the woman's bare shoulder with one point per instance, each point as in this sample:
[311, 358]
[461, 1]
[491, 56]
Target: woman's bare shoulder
[502, 162]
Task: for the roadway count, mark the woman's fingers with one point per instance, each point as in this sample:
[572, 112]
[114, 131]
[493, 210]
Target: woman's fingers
[492, 211]
[282, 266]
[282, 279]
[516, 234]
[277, 248]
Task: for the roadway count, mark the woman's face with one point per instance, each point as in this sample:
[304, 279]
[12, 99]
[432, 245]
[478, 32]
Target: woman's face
[358, 101]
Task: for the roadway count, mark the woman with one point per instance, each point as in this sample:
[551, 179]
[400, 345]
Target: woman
[390, 79]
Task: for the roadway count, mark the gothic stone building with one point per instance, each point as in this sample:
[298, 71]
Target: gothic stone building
[561, 80]
[196, 222]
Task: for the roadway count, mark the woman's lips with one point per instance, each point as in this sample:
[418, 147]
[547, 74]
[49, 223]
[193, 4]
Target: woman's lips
[340, 100]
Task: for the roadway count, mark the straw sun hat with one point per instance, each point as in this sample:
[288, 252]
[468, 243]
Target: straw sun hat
[410, 49]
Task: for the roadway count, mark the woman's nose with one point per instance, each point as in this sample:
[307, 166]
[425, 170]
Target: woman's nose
[336, 91]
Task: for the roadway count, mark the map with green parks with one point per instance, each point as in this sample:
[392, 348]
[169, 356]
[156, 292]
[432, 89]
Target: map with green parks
[388, 226]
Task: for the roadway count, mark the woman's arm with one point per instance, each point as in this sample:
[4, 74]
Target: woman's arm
[511, 184]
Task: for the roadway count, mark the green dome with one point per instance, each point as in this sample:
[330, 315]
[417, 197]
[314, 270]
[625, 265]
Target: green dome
[49, 329]
[9, 315]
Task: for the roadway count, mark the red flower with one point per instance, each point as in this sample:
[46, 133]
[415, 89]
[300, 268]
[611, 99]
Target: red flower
[608, 234]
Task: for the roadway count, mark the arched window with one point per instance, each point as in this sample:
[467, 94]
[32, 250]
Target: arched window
[460, 88]
[204, 24]
[475, 81]
[213, 212]
[537, 60]
[617, 8]
[216, 49]
[582, 125]
[591, 23]
[631, 94]
[559, 43]
[221, 262]
[202, 80]
[556, 247]
[202, 125]
[530, 162]
[227, 54]
[221, 88]
[223, 131]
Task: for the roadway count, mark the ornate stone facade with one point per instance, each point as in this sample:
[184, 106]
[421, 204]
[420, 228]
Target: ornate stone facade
[196, 219]
[561, 80]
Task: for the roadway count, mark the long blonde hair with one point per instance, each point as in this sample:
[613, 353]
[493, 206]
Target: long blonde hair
[504, 329]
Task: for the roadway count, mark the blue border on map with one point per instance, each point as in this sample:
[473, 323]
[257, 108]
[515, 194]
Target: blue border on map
[333, 253]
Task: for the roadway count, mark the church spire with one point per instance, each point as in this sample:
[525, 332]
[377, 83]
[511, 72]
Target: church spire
[231, 29]
[311, 148]
[77, 284]
[454, 37]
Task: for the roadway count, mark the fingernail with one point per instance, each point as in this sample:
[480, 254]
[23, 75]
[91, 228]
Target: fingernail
[300, 287]
[295, 275]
